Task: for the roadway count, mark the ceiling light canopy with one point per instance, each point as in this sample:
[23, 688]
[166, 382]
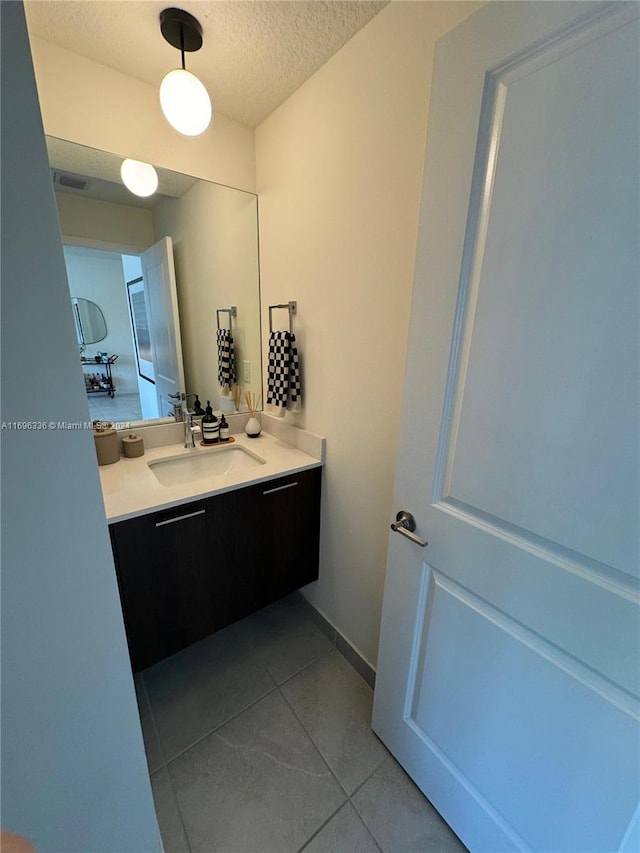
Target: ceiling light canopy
[140, 178]
[184, 100]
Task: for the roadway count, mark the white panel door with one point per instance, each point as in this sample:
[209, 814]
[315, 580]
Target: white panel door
[508, 671]
[162, 300]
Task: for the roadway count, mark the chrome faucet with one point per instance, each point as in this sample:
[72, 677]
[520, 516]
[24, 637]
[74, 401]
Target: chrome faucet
[189, 429]
[178, 410]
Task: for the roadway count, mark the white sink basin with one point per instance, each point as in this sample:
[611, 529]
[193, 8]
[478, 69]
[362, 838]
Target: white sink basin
[203, 464]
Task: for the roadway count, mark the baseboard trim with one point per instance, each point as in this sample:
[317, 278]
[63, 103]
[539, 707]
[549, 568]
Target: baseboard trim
[351, 654]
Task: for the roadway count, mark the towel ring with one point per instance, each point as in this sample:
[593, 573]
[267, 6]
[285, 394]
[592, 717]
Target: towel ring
[232, 312]
[292, 308]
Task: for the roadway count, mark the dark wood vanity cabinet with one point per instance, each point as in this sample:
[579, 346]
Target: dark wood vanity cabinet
[189, 571]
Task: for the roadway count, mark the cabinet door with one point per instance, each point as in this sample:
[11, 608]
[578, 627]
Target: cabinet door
[281, 521]
[166, 565]
[232, 581]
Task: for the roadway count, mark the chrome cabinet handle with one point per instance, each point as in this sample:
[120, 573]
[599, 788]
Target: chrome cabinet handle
[405, 524]
[180, 518]
[279, 488]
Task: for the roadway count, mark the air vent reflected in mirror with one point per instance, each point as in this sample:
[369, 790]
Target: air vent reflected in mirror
[70, 181]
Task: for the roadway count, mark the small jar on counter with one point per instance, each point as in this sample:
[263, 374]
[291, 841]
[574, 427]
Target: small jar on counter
[106, 441]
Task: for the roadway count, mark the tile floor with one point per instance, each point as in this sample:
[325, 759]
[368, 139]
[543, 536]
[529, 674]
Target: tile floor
[258, 739]
[122, 408]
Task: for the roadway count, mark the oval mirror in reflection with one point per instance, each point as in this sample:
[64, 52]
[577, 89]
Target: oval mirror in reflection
[90, 322]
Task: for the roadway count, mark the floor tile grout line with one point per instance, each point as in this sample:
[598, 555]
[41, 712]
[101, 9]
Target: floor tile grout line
[331, 817]
[322, 826]
[315, 746]
[364, 823]
[224, 722]
[266, 670]
[373, 772]
[324, 760]
[165, 767]
[302, 668]
[275, 687]
[357, 810]
[376, 768]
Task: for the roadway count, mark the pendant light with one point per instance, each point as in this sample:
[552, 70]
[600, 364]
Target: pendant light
[184, 100]
[138, 177]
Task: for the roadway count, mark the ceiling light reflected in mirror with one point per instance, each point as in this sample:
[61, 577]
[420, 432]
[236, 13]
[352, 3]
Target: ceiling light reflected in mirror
[96, 174]
[140, 178]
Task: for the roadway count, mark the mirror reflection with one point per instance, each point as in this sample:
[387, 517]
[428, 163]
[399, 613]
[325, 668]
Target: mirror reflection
[176, 276]
[90, 324]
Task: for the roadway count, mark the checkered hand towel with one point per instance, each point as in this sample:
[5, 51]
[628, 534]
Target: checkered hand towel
[226, 360]
[283, 374]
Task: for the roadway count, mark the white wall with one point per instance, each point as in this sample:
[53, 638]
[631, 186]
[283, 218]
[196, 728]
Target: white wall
[74, 775]
[339, 169]
[98, 276]
[215, 244]
[104, 224]
[94, 105]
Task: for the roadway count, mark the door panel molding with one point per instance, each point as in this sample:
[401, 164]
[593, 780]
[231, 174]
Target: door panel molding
[608, 577]
[558, 657]
[513, 435]
[473, 641]
[509, 837]
[602, 19]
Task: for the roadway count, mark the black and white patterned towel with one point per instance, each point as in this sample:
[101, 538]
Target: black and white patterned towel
[283, 374]
[226, 360]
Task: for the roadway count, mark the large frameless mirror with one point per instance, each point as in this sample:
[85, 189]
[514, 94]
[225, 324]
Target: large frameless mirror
[213, 231]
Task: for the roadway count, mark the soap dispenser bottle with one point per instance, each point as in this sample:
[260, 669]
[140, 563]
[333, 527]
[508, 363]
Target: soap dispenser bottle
[198, 413]
[224, 429]
[210, 426]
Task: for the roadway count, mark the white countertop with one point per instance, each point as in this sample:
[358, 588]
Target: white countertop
[130, 488]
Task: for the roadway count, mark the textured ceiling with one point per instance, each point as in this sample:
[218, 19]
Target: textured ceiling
[255, 53]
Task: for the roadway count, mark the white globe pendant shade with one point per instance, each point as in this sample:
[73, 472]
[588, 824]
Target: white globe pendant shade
[185, 102]
[140, 178]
